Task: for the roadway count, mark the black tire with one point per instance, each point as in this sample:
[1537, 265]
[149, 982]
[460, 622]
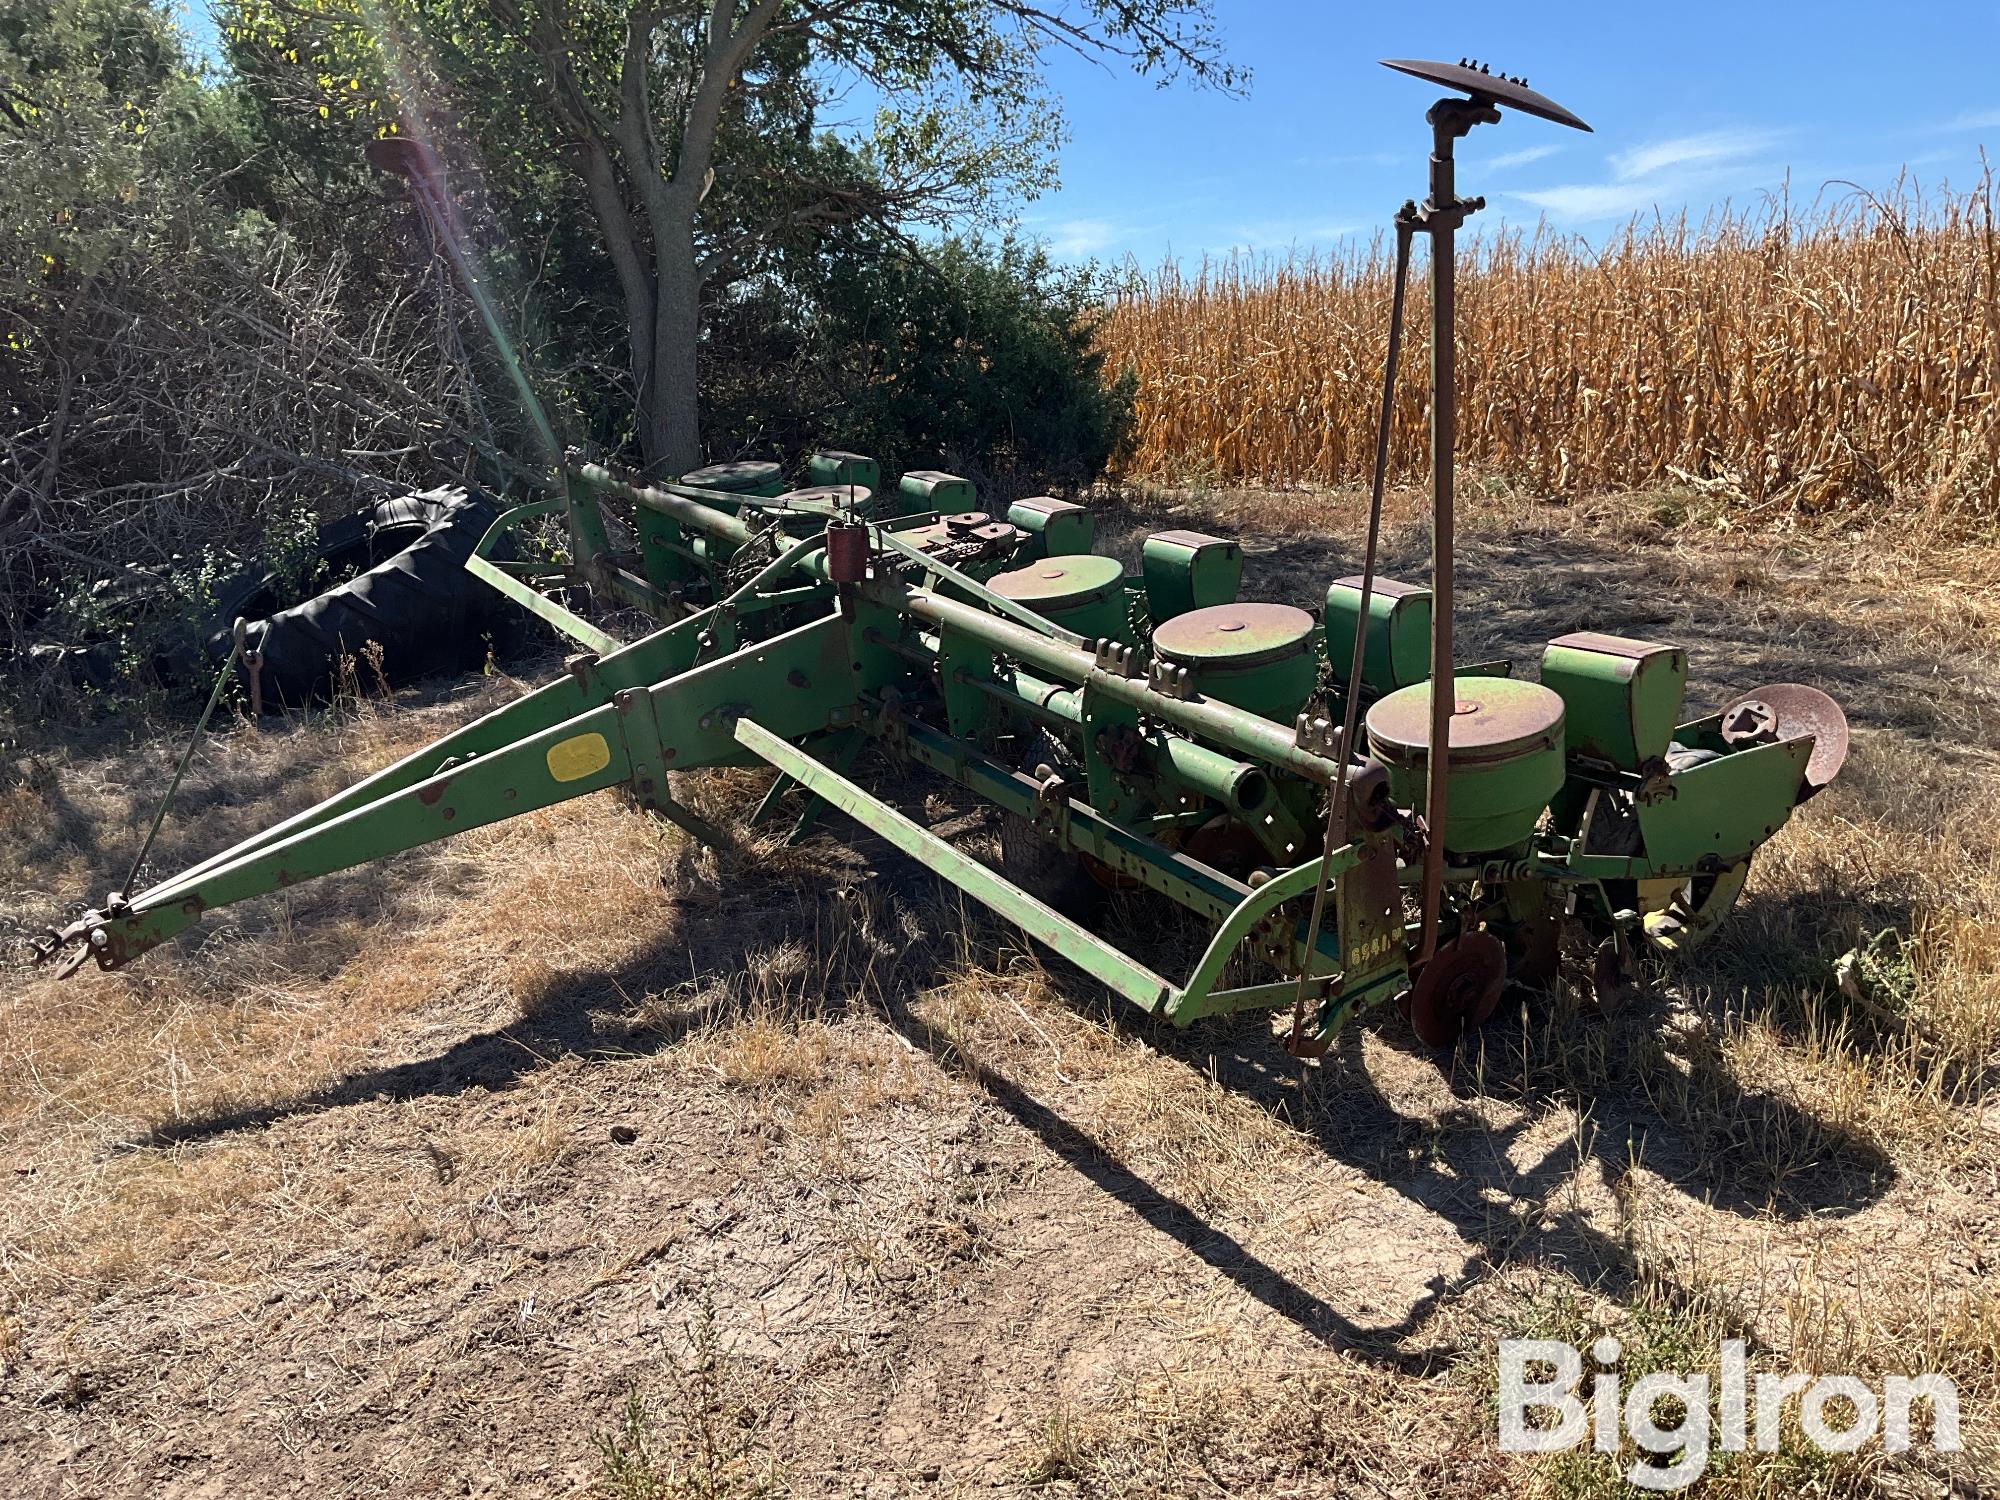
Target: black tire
[343, 547]
[417, 604]
[257, 591]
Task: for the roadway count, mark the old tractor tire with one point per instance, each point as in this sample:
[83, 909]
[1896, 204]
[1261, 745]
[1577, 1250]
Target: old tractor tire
[417, 604]
[343, 547]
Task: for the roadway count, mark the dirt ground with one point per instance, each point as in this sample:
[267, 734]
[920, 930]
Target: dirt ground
[563, 1158]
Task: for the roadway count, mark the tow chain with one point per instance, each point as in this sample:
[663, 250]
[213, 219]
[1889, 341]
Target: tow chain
[236, 638]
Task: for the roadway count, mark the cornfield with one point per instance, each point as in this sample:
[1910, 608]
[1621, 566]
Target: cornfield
[1843, 357]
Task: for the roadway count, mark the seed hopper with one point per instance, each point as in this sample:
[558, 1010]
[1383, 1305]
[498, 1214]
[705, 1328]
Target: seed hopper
[1271, 771]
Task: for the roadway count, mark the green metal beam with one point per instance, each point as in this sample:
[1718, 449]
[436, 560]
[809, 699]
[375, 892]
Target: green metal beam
[1042, 922]
[582, 755]
[589, 684]
[1185, 881]
[1201, 998]
[542, 607]
[1260, 739]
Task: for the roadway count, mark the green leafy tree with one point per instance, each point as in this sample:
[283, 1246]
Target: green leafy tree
[693, 128]
[978, 357]
[95, 96]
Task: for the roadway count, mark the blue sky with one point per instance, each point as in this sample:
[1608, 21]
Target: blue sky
[1694, 102]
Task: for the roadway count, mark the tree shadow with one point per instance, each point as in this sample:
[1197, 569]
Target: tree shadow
[240, 780]
[883, 969]
[1212, 1245]
[1666, 1099]
[594, 1014]
[876, 919]
[249, 783]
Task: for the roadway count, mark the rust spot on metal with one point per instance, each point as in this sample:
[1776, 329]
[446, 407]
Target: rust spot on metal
[1749, 722]
[1486, 87]
[1239, 634]
[1387, 588]
[847, 553]
[1192, 540]
[1060, 582]
[428, 795]
[1045, 505]
[1120, 746]
[1497, 715]
[1608, 645]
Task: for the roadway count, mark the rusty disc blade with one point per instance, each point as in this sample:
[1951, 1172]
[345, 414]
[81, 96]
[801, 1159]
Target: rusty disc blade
[1488, 88]
[1458, 988]
[1803, 710]
[1613, 975]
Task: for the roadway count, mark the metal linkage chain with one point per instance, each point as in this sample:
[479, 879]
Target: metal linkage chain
[749, 559]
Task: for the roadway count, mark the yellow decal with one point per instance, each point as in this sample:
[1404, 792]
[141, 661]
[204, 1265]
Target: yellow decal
[1364, 953]
[578, 756]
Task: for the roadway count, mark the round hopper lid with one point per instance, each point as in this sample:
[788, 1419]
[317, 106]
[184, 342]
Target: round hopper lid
[1060, 581]
[1492, 718]
[747, 475]
[1238, 635]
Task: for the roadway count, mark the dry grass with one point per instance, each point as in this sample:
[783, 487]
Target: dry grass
[1840, 359]
[562, 1157]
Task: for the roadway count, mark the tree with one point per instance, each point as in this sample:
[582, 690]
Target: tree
[977, 357]
[692, 126]
[180, 379]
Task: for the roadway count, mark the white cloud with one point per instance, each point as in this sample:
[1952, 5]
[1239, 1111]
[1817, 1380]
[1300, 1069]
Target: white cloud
[1608, 200]
[1078, 237]
[1661, 173]
[1522, 158]
[1285, 234]
[1988, 119]
[1708, 149]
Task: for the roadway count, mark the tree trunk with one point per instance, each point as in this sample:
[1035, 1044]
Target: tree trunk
[670, 413]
